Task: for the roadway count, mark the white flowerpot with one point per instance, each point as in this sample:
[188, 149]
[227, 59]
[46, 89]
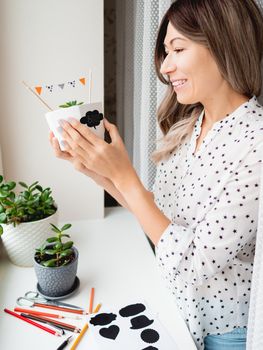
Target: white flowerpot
[21, 241]
[89, 114]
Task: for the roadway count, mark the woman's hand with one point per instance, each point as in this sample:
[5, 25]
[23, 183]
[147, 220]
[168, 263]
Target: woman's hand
[108, 160]
[78, 165]
[100, 180]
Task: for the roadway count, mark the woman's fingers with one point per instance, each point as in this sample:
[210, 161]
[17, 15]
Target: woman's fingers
[55, 145]
[85, 132]
[112, 130]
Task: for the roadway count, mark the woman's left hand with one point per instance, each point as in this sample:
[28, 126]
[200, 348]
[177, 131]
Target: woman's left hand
[110, 160]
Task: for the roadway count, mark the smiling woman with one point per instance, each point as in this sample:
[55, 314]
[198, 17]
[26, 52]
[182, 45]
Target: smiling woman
[202, 217]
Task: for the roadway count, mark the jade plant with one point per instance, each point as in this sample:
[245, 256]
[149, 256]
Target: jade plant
[32, 203]
[53, 252]
[70, 104]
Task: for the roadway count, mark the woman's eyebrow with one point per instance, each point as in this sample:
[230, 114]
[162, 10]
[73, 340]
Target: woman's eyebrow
[172, 40]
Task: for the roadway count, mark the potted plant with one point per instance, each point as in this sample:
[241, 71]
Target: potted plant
[24, 219]
[89, 114]
[55, 264]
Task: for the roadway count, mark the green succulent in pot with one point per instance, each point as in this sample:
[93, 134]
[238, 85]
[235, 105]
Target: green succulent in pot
[55, 264]
[32, 203]
[54, 252]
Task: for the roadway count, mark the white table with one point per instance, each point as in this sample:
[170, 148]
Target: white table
[116, 259]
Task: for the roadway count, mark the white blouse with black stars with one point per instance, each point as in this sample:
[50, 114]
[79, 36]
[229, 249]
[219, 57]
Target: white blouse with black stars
[212, 197]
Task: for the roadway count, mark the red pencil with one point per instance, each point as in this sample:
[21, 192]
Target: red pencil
[91, 300]
[40, 313]
[32, 322]
[74, 311]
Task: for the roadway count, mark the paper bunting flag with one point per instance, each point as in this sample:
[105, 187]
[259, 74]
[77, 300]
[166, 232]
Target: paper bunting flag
[72, 83]
[83, 81]
[38, 89]
[50, 87]
[61, 86]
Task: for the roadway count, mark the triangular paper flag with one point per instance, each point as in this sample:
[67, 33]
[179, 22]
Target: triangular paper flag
[50, 87]
[38, 89]
[83, 81]
[61, 86]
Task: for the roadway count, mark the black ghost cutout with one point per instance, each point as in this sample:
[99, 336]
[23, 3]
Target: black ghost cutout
[150, 336]
[132, 310]
[110, 332]
[140, 322]
[102, 319]
[92, 118]
[150, 348]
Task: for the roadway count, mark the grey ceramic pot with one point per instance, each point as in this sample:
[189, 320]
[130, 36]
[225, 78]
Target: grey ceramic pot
[56, 281]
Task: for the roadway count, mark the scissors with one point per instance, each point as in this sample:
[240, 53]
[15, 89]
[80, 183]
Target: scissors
[35, 299]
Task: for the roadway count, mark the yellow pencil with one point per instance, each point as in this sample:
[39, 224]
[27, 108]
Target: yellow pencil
[77, 340]
[97, 308]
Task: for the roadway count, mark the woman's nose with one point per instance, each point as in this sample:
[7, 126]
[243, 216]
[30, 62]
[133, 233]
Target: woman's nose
[168, 65]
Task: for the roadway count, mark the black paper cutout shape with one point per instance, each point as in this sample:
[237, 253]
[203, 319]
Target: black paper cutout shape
[103, 319]
[132, 310]
[150, 348]
[150, 336]
[92, 118]
[141, 321]
[110, 332]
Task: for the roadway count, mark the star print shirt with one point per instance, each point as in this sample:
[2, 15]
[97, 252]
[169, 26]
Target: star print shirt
[211, 197]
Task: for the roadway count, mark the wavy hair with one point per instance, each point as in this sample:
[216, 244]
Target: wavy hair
[232, 30]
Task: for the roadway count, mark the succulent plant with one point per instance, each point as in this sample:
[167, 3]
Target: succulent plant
[32, 204]
[70, 104]
[53, 252]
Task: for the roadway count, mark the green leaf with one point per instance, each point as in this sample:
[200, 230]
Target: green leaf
[59, 245]
[4, 194]
[49, 263]
[67, 245]
[2, 209]
[52, 239]
[64, 235]
[55, 229]
[66, 227]
[66, 252]
[50, 251]
[11, 185]
[1, 178]
[1, 230]
[39, 188]
[23, 184]
[2, 218]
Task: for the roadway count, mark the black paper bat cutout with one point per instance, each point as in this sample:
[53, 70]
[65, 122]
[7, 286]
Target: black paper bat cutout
[92, 118]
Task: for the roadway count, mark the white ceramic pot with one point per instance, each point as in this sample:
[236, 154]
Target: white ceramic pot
[89, 114]
[20, 242]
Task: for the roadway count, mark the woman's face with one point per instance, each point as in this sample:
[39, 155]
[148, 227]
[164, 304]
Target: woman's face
[191, 68]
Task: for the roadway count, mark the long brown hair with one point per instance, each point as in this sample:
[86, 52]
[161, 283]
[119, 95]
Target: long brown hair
[233, 32]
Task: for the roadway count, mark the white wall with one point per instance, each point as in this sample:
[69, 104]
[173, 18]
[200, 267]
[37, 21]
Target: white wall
[44, 42]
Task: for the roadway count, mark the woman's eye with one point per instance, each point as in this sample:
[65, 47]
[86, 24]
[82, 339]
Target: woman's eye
[178, 50]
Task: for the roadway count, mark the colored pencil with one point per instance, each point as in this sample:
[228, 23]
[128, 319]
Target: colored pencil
[78, 339]
[40, 313]
[91, 300]
[32, 322]
[59, 308]
[63, 325]
[97, 308]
